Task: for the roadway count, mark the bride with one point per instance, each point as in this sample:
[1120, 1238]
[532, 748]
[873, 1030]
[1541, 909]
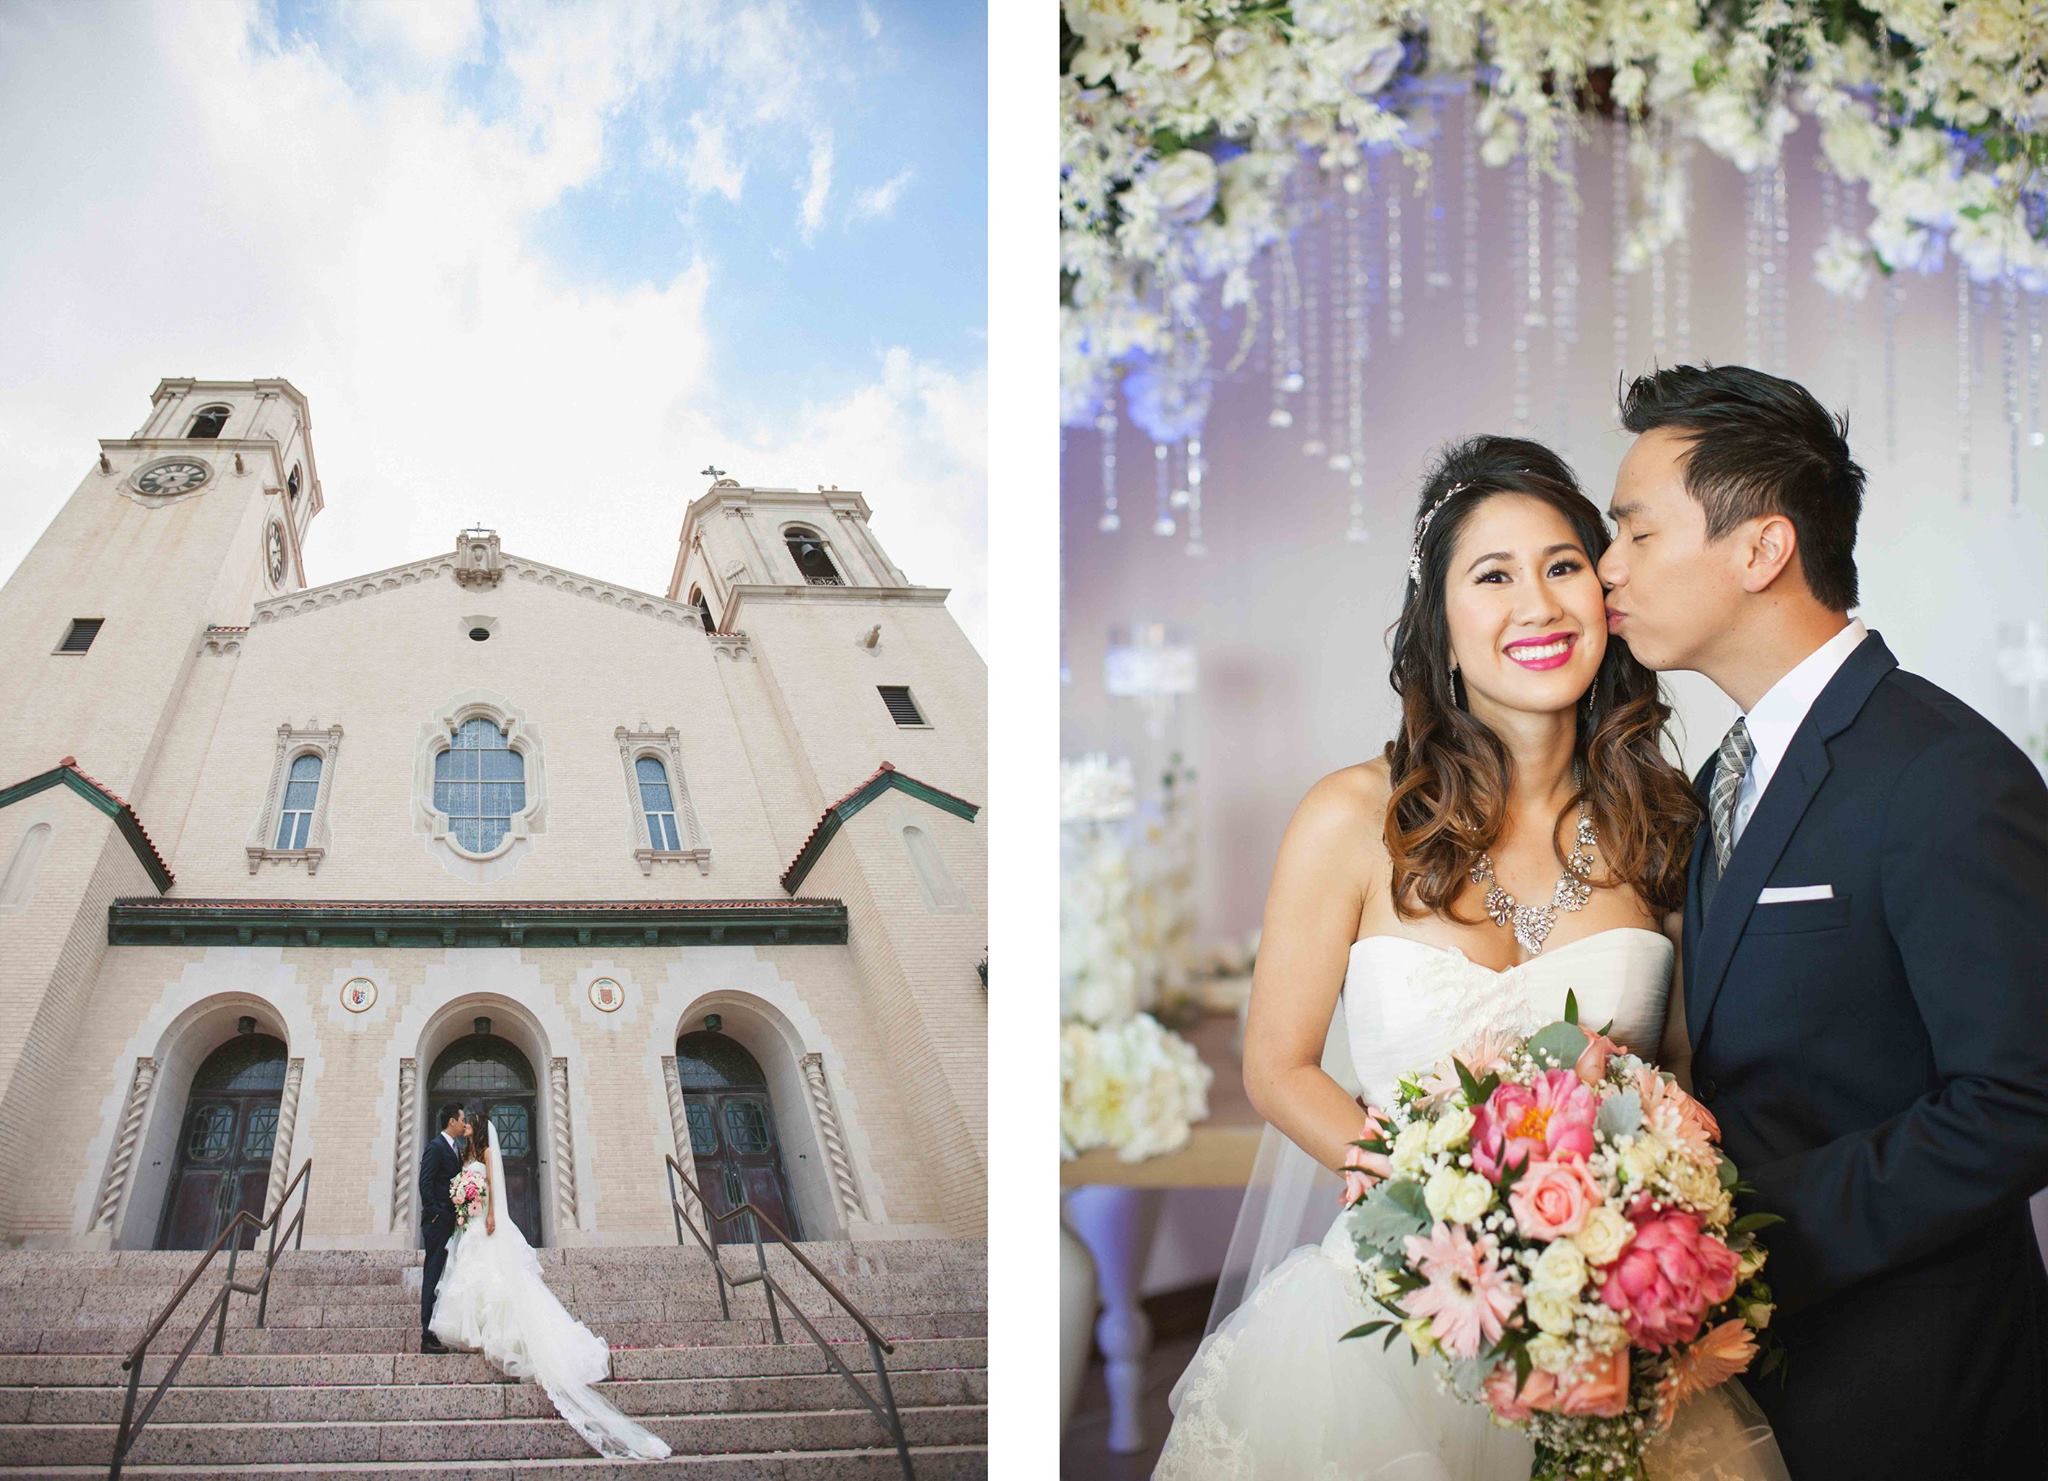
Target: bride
[492, 1299]
[1521, 724]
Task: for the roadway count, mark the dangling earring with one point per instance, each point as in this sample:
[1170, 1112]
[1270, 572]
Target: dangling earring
[1455, 700]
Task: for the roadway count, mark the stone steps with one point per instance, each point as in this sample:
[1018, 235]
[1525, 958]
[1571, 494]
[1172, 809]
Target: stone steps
[334, 1383]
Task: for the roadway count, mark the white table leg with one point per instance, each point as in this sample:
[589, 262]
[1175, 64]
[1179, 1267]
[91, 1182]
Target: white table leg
[1117, 1224]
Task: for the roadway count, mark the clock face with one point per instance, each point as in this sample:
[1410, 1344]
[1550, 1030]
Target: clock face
[178, 476]
[276, 544]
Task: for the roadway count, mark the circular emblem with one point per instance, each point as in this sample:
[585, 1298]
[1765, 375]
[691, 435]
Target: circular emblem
[606, 995]
[274, 545]
[172, 476]
[359, 995]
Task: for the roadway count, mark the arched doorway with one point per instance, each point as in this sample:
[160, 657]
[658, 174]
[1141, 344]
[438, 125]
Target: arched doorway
[225, 1144]
[492, 1078]
[732, 1133]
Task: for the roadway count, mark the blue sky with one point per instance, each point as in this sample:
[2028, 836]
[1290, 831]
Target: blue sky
[583, 247]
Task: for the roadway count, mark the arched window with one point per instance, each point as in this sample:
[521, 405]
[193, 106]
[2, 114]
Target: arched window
[703, 609]
[209, 422]
[295, 819]
[479, 782]
[21, 874]
[658, 803]
[291, 487]
[940, 893]
[812, 559]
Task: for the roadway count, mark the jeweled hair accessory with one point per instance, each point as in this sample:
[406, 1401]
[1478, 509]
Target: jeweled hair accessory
[1421, 529]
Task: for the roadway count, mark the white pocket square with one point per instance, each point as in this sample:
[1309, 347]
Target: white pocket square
[1781, 894]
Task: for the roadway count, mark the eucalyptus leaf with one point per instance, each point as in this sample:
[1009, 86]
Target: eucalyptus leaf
[1620, 1115]
[1386, 1216]
[1561, 1042]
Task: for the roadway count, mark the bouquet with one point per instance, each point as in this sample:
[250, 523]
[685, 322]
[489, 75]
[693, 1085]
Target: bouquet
[1558, 1233]
[468, 1192]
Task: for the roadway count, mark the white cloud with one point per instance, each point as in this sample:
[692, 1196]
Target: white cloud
[709, 165]
[816, 184]
[453, 375]
[438, 33]
[879, 202]
[870, 23]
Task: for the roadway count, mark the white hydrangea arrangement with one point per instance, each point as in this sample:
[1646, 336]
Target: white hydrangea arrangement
[1135, 1086]
[1185, 121]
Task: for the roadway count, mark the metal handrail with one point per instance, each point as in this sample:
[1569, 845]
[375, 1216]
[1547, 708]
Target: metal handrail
[885, 1412]
[216, 1309]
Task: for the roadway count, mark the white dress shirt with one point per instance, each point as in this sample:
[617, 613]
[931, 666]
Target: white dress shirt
[1780, 712]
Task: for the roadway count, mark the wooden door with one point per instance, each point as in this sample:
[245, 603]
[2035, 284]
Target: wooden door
[490, 1077]
[225, 1143]
[512, 1116]
[733, 1143]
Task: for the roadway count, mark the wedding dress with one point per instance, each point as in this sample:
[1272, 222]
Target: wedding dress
[492, 1299]
[1274, 1394]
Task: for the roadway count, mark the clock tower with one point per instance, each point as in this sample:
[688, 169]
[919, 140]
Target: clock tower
[184, 525]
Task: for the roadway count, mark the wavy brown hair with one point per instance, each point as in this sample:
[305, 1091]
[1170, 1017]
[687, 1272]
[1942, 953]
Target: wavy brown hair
[1450, 772]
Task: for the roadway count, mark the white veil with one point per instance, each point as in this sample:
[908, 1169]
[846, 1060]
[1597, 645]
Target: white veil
[1290, 1199]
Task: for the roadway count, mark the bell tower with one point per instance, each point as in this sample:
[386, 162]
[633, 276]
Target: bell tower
[185, 524]
[776, 539]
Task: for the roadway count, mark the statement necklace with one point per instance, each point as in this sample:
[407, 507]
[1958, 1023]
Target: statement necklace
[1531, 923]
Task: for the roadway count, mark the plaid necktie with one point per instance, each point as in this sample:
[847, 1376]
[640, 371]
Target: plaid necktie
[1731, 763]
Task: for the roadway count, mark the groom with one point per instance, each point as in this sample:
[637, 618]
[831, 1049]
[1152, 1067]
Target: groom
[439, 1165]
[1866, 945]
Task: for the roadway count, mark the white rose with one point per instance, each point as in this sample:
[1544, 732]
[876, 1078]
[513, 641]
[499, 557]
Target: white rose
[1472, 1197]
[1410, 1147]
[1758, 1314]
[1603, 1236]
[1439, 1190]
[1183, 185]
[1450, 1129]
[1752, 1261]
[1560, 1268]
[1416, 1328]
[1551, 1353]
[1552, 1311]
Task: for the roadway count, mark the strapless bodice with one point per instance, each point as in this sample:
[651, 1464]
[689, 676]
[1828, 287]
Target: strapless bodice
[1407, 1003]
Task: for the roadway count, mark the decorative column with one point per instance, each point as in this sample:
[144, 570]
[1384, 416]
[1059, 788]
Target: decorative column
[565, 1147]
[835, 1140]
[679, 1122]
[124, 1144]
[281, 1148]
[401, 1165]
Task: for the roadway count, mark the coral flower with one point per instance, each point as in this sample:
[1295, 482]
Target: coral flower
[1549, 1119]
[1537, 1393]
[1599, 1388]
[1468, 1299]
[1722, 1352]
[1673, 1114]
[1591, 1066]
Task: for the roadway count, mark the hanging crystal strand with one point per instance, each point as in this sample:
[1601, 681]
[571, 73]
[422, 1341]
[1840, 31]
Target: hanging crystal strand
[1564, 276]
[2034, 369]
[1468, 184]
[1752, 269]
[1312, 327]
[1393, 186]
[1682, 263]
[1894, 296]
[1162, 483]
[1781, 268]
[1963, 373]
[1280, 358]
[1617, 279]
[1434, 274]
[1347, 296]
[1521, 181]
[2009, 364]
[1195, 547]
[1354, 379]
[1980, 310]
[1105, 423]
[1660, 344]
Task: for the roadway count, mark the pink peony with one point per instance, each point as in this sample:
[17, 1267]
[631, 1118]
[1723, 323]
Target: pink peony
[1468, 1299]
[1599, 1388]
[1549, 1119]
[1537, 1395]
[1553, 1198]
[1671, 1272]
[1674, 1114]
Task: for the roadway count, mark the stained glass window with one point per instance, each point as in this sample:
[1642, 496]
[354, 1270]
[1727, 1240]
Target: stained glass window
[745, 1126]
[479, 782]
[703, 1131]
[657, 802]
[515, 1129]
[259, 1136]
[715, 1062]
[245, 1062]
[213, 1128]
[480, 1065]
[296, 820]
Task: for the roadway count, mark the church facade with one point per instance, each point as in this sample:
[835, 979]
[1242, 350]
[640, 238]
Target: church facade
[283, 868]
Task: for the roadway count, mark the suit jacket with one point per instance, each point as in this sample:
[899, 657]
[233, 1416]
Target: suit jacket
[1878, 1061]
[438, 1167]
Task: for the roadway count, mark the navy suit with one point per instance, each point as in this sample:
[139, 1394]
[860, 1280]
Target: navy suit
[1878, 1062]
[438, 1168]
